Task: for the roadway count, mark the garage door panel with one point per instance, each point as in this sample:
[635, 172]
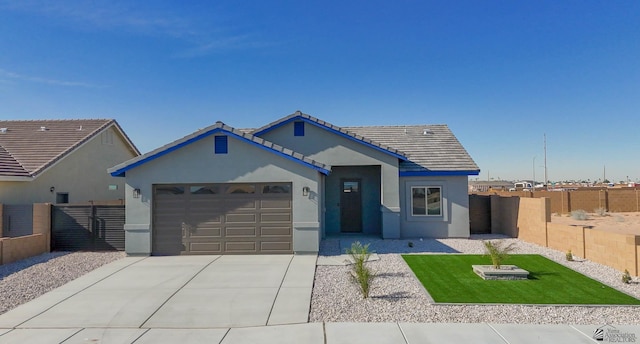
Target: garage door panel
[275, 217]
[232, 204]
[205, 247]
[240, 218]
[250, 232]
[206, 232]
[273, 246]
[275, 231]
[275, 204]
[240, 247]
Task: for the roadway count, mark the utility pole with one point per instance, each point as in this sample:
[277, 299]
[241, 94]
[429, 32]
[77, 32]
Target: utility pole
[546, 178]
[534, 172]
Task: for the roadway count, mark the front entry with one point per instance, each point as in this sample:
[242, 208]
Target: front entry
[350, 205]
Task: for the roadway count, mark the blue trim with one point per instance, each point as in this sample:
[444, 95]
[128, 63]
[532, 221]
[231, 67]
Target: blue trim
[221, 145]
[300, 118]
[121, 172]
[438, 173]
[298, 128]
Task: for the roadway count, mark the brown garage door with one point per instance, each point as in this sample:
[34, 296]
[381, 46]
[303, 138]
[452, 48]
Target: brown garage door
[248, 218]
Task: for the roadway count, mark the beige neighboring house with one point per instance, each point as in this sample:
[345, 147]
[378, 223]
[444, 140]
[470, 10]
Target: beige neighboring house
[61, 161]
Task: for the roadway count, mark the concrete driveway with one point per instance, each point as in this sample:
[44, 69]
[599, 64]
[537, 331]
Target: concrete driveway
[184, 292]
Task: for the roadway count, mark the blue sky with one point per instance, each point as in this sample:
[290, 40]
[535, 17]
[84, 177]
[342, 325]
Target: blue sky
[501, 74]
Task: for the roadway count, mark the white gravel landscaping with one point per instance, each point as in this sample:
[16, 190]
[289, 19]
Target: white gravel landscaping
[24, 280]
[397, 296]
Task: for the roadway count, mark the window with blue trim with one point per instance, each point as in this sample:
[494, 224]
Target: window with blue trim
[298, 128]
[221, 145]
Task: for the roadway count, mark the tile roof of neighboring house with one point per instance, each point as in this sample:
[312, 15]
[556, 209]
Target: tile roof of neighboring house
[370, 141]
[27, 148]
[121, 169]
[428, 147]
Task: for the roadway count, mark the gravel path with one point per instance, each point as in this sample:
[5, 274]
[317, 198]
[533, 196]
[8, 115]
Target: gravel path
[397, 296]
[24, 280]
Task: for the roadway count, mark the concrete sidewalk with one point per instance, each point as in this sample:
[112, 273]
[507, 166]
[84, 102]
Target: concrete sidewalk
[329, 333]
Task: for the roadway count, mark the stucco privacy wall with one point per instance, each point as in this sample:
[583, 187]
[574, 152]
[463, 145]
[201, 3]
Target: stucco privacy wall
[335, 150]
[454, 221]
[245, 162]
[82, 174]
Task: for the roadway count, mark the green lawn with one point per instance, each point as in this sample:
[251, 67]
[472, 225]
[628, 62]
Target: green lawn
[449, 278]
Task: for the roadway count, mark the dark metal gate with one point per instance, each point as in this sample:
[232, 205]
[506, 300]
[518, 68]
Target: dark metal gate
[87, 228]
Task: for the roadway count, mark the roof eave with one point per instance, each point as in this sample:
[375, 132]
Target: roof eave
[432, 173]
[15, 179]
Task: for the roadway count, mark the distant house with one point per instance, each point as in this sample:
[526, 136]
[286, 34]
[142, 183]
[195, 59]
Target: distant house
[283, 187]
[489, 185]
[61, 161]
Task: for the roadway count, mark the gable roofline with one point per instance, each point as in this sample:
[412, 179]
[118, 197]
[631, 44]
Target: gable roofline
[29, 174]
[121, 169]
[299, 116]
[79, 144]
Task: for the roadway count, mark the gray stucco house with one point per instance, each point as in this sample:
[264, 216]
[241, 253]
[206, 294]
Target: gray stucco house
[283, 187]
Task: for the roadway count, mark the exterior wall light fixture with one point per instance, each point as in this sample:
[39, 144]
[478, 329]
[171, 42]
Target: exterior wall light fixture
[305, 191]
[136, 193]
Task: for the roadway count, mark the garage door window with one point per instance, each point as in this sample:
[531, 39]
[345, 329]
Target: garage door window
[281, 189]
[169, 190]
[205, 190]
[241, 189]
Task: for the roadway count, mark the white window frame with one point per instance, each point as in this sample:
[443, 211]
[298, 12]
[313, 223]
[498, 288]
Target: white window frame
[426, 200]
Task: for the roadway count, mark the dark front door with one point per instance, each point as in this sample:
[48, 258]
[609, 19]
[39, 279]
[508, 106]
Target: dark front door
[350, 206]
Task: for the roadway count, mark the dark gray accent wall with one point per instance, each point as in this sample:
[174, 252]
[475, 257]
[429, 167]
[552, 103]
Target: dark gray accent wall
[371, 217]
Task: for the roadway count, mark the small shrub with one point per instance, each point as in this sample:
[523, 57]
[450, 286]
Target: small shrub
[579, 214]
[360, 273]
[498, 252]
[569, 256]
[600, 211]
[626, 277]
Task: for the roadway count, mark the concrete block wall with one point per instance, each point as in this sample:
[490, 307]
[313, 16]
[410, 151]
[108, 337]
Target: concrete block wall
[504, 215]
[42, 222]
[619, 251]
[564, 238]
[624, 200]
[588, 200]
[13, 249]
[533, 215]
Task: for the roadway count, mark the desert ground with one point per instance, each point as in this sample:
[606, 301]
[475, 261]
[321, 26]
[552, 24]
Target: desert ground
[628, 223]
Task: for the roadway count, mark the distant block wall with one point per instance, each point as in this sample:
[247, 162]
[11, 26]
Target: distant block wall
[563, 202]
